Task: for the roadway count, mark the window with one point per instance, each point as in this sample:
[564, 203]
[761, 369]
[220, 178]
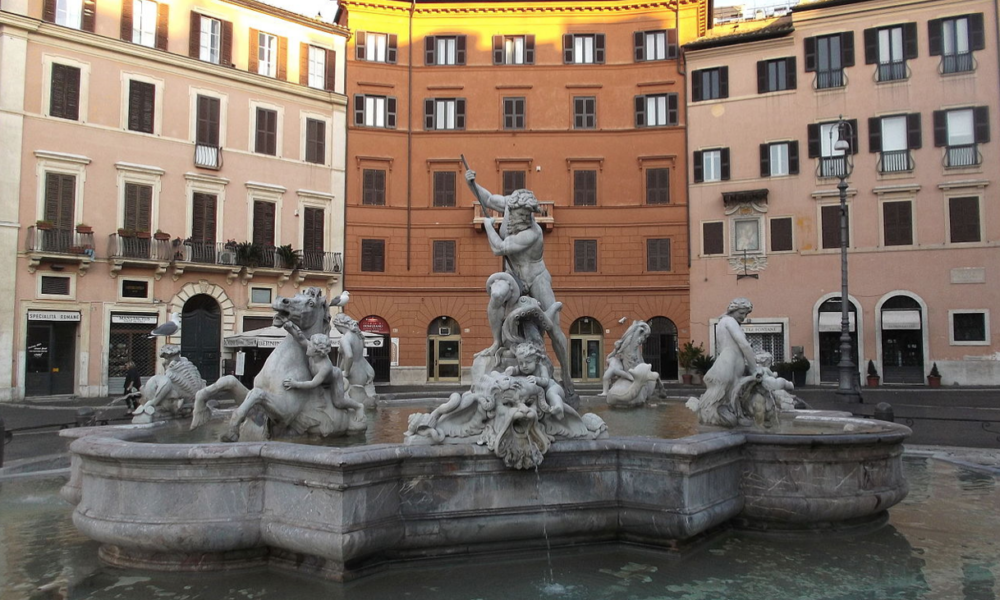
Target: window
[655, 45]
[778, 159]
[313, 238]
[69, 13]
[954, 39]
[656, 110]
[583, 49]
[822, 139]
[889, 48]
[959, 132]
[266, 137]
[658, 185]
[375, 47]
[317, 67]
[444, 50]
[138, 207]
[513, 113]
[712, 241]
[373, 187]
[444, 188]
[893, 138]
[584, 112]
[830, 217]
[444, 113]
[55, 286]
[658, 254]
[584, 188]
[64, 93]
[267, 54]
[261, 295]
[375, 111]
[969, 328]
[373, 256]
[513, 49]
[746, 236]
[316, 141]
[585, 256]
[776, 75]
[203, 219]
[263, 223]
[444, 256]
[207, 126]
[711, 165]
[827, 56]
[513, 180]
[897, 223]
[963, 220]
[144, 17]
[141, 104]
[60, 200]
[781, 234]
[206, 40]
[710, 84]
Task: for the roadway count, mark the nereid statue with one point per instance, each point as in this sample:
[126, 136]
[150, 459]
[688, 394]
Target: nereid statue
[628, 381]
[170, 391]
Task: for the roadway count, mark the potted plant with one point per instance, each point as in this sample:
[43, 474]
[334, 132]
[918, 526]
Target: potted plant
[800, 365]
[688, 354]
[287, 257]
[143, 235]
[934, 377]
[126, 232]
[701, 365]
[43, 225]
[161, 236]
[873, 377]
[249, 254]
[84, 228]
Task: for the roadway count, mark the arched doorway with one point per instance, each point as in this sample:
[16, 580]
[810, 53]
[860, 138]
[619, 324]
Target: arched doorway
[660, 349]
[380, 355]
[902, 341]
[201, 335]
[444, 350]
[829, 338]
[586, 352]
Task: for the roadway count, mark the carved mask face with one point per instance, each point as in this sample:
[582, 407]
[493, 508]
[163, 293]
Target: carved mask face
[517, 437]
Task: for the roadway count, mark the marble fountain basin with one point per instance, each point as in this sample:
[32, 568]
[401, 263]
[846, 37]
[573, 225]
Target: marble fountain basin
[340, 513]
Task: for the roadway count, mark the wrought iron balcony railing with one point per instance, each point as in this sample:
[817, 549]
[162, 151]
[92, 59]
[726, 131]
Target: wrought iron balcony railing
[60, 241]
[832, 166]
[958, 63]
[327, 262]
[966, 155]
[208, 157]
[830, 79]
[892, 71]
[139, 248]
[895, 161]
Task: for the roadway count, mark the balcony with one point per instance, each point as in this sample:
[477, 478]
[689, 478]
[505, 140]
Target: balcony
[895, 161]
[966, 155]
[830, 79]
[59, 246]
[544, 218]
[832, 166]
[892, 71]
[212, 257]
[208, 157]
[247, 260]
[958, 63]
[140, 250]
[320, 265]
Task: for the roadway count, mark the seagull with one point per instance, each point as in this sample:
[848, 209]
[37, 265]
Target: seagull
[171, 327]
[342, 299]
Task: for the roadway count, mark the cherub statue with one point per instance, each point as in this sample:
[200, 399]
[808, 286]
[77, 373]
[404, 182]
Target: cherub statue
[324, 373]
[351, 359]
[530, 366]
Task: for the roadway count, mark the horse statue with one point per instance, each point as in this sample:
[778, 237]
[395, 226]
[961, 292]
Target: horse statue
[290, 410]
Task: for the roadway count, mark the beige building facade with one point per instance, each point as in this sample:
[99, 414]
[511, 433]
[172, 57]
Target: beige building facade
[174, 157]
[917, 82]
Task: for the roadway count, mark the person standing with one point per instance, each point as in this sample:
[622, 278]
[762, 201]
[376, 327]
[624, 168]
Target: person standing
[133, 383]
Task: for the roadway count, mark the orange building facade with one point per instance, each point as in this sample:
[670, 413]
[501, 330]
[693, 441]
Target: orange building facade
[581, 102]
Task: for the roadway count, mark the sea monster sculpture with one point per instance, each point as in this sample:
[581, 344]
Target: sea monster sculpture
[628, 380]
[171, 390]
[297, 411]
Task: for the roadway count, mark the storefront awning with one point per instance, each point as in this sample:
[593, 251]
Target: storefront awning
[271, 337]
[830, 321]
[900, 319]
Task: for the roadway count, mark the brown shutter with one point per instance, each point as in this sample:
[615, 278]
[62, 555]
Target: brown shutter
[373, 255]
[830, 216]
[459, 113]
[303, 63]
[138, 207]
[282, 71]
[781, 234]
[585, 256]
[162, 24]
[529, 49]
[226, 53]
[658, 254]
[599, 48]
[444, 256]
[60, 192]
[897, 218]
[390, 53]
[312, 230]
[252, 63]
[390, 110]
[964, 219]
[49, 11]
[712, 240]
[89, 16]
[359, 45]
[498, 53]
[194, 38]
[126, 23]
[263, 223]
[331, 71]
[207, 129]
[315, 141]
[203, 218]
[460, 50]
[429, 58]
[568, 48]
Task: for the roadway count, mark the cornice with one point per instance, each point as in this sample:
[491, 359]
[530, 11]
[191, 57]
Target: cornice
[287, 15]
[515, 7]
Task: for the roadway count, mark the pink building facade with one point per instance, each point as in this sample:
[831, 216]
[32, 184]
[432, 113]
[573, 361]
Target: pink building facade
[917, 81]
[173, 157]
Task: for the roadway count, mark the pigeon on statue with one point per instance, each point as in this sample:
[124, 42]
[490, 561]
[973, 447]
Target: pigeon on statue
[342, 299]
[171, 327]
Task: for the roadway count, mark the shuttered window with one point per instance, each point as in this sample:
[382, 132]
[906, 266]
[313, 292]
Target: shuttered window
[77, 14]
[207, 126]
[60, 200]
[266, 138]
[658, 186]
[138, 207]
[656, 110]
[145, 22]
[444, 113]
[210, 39]
[373, 256]
[513, 49]
[654, 45]
[513, 180]
[963, 217]
[317, 67]
[710, 84]
[444, 256]
[584, 112]
[444, 50]
[585, 256]
[64, 93]
[827, 56]
[55, 286]
[141, 106]
[781, 234]
[776, 75]
[897, 222]
[313, 230]
[513, 113]
[658, 254]
[268, 54]
[444, 188]
[203, 217]
[373, 187]
[316, 141]
[585, 188]
[376, 47]
[830, 216]
[263, 223]
[583, 49]
[375, 111]
[712, 241]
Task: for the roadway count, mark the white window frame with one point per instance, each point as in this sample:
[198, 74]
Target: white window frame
[255, 286]
[69, 13]
[986, 324]
[376, 111]
[140, 175]
[955, 36]
[316, 65]
[781, 160]
[144, 23]
[210, 40]
[267, 54]
[158, 84]
[376, 47]
[961, 115]
[655, 45]
[711, 163]
[38, 286]
[310, 199]
[584, 48]
[193, 93]
[47, 61]
[327, 136]
[67, 164]
[890, 45]
[444, 114]
[445, 50]
[149, 288]
[888, 124]
[265, 192]
[828, 136]
[205, 184]
[279, 132]
[734, 235]
[513, 49]
[657, 110]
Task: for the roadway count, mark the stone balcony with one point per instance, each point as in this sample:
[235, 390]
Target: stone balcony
[59, 246]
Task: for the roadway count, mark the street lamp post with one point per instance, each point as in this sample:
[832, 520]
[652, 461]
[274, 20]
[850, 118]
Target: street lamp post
[848, 384]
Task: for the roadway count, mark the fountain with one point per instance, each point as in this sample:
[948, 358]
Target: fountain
[508, 465]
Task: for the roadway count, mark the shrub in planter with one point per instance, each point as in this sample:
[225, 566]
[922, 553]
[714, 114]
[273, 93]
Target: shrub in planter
[688, 355]
[873, 377]
[934, 377]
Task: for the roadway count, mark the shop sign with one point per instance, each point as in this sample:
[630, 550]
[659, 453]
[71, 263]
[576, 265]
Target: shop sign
[373, 324]
[762, 328]
[53, 315]
[133, 319]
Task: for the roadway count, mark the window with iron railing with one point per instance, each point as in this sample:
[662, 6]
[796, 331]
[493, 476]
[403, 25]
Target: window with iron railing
[828, 56]
[889, 48]
[955, 39]
[893, 138]
[959, 132]
[822, 143]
